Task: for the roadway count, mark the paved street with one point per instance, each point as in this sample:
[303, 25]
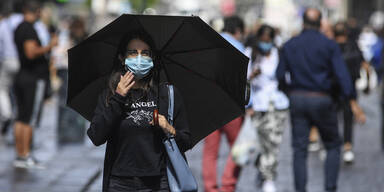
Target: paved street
[365, 175]
[77, 167]
[69, 168]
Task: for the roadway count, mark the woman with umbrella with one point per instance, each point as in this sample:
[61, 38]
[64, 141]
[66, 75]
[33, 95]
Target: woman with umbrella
[135, 157]
[208, 71]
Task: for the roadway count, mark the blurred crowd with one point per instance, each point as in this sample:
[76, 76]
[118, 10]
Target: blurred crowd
[327, 64]
[314, 77]
[34, 67]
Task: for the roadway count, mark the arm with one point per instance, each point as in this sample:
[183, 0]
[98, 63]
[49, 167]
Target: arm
[357, 111]
[105, 119]
[32, 49]
[180, 124]
[281, 70]
[252, 71]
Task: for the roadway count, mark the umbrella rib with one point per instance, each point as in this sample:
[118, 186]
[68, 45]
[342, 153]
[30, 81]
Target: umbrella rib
[192, 50]
[173, 36]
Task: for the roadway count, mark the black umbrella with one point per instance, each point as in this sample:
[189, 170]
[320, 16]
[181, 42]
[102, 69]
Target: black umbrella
[209, 72]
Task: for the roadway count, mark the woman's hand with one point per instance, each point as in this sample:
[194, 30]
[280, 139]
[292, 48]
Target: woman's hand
[256, 72]
[358, 112]
[163, 123]
[125, 84]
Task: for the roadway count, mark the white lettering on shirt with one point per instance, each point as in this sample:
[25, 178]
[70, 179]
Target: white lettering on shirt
[143, 104]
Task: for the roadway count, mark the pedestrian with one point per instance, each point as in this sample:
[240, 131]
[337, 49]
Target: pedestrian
[71, 126]
[135, 158]
[269, 105]
[353, 59]
[313, 62]
[314, 140]
[30, 82]
[9, 66]
[371, 46]
[233, 32]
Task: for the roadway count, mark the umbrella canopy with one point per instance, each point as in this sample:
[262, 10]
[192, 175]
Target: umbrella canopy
[209, 72]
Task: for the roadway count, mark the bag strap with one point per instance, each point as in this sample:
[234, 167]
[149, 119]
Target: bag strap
[171, 104]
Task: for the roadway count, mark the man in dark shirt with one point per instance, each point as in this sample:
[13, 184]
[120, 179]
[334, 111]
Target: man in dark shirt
[30, 82]
[314, 64]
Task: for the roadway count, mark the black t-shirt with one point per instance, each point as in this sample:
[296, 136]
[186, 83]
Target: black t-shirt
[135, 147]
[37, 67]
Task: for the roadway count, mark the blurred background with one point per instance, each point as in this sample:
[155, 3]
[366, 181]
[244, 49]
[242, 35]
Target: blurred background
[283, 14]
[73, 164]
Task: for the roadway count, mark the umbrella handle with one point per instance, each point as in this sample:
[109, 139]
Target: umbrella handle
[156, 117]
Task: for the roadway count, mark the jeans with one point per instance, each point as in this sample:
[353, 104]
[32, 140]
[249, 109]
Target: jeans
[140, 184]
[320, 111]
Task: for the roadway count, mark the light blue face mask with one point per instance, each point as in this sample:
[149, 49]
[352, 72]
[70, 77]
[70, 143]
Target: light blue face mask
[140, 66]
[265, 47]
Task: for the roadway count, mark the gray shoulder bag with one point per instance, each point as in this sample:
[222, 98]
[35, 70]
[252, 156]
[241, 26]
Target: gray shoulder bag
[180, 177]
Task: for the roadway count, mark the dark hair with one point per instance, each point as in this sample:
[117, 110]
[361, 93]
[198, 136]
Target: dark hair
[340, 29]
[233, 23]
[31, 6]
[77, 23]
[312, 22]
[263, 29]
[150, 82]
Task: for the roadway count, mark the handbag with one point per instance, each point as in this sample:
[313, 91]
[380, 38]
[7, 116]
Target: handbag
[180, 178]
[245, 147]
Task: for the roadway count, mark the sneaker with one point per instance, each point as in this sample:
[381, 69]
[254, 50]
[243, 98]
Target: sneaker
[269, 186]
[314, 146]
[348, 157]
[27, 163]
